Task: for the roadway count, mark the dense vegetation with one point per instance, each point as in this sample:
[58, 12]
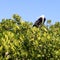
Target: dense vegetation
[20, 41]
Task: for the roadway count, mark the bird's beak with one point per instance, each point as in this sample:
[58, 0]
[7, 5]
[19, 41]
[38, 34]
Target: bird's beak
[43, 21]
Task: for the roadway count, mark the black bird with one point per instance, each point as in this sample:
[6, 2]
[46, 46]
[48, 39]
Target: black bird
[40, 21]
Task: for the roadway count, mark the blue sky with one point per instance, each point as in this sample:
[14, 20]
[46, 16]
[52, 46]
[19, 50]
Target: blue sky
[29, 10]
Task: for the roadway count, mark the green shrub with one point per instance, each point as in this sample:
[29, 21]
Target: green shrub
[20, 41]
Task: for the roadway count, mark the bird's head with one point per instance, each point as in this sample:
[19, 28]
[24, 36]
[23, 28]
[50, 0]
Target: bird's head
[43, 18]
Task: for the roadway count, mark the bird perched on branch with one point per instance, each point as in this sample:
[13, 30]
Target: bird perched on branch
[40, 21]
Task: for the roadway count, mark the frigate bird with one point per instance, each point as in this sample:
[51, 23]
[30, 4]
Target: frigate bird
[40, 21]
